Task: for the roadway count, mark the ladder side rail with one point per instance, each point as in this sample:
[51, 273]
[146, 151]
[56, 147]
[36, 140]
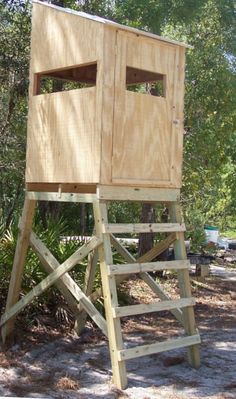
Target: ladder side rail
[185, 285]
[110, 297]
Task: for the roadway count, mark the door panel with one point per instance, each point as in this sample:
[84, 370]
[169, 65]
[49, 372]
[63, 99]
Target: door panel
[143, 123]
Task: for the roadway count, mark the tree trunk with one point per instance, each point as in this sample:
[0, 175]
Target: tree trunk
[146, 239]
[82, 219]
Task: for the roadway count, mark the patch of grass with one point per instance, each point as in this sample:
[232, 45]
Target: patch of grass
[229, 234]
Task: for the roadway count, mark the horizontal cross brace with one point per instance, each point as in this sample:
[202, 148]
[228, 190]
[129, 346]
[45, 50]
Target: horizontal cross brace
[143, 227]
[144, 350]
[152, 307]
[60, 197]
[144, 194]
[129, 268]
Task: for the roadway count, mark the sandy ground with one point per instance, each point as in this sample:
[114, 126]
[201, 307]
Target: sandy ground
[67, 366]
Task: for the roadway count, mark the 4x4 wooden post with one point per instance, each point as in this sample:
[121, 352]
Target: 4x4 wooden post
[22, 245]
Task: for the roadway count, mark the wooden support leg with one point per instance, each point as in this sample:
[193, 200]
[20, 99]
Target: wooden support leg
[185, 287]
[88, 287]
[110, 298]
[18, 264]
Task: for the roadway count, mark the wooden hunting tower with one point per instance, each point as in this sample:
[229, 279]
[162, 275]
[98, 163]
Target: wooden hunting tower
[105, 124]
[105, 103]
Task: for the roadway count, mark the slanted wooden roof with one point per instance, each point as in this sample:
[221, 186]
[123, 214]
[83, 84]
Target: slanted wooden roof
[113, 24]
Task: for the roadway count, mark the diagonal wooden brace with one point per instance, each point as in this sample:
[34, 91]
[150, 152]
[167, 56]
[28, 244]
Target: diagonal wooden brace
[49, 263]
[156, 288]
[51, 279]
[66, 284]
[87, 289]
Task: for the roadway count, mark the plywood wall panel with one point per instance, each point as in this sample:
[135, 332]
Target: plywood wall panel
[63, 144]
[150, 55]
[61, 39]
[104, 134]
[139, 155]
[145, 146]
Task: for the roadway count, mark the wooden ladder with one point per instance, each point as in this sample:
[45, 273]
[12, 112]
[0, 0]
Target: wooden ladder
[181, 308]
[80, 299]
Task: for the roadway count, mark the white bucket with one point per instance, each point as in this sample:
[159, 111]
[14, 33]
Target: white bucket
[212, 234]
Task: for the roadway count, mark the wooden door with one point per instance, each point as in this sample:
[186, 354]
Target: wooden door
[147, 131]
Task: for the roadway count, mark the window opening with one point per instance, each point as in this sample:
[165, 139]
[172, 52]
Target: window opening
[78, 77]
[145, 82]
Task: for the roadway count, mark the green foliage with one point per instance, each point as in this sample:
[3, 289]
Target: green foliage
[209, 189]
[124, 212]
[195, 221]
[152, 15]
[7, 249]
[210, 116]
[230, 234]
[33, 272]
[14, 56]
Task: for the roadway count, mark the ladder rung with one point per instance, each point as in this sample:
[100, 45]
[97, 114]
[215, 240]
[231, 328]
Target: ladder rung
[147, 267]
[152, 307]
[143, 227]
[158, 347]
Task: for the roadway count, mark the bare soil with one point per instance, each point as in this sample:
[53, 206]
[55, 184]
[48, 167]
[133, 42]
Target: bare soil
[49, 361]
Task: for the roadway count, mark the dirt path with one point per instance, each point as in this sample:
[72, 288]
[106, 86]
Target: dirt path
[72, 367]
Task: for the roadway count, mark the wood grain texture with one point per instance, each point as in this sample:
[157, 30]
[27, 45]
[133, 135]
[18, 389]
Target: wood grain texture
[143, 227]
[158, 249]
[103, 134]
[25, 226]
[61, 197]
[51, 279]
[114, 25]
[110, 298]
[178, 118]
[159, 347]
[63, 144]
[63, 141]
[107, 104]
[133, 310]
[63, 188]
[124, 193]
[49, 263]
[156, 288]
[143, 134]
[67, 39]
[90, 274]
[185, 286]
[121, 269]
[70, 290]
